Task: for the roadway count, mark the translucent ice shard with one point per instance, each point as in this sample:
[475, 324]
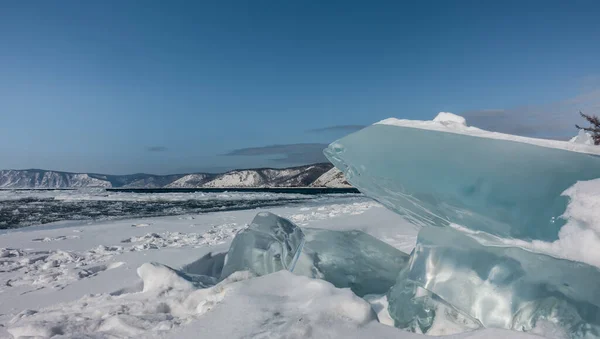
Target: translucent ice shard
[501, 287]
[269, 244]
[442, 172]
[347, 259]
[351, 259]
[416, 309]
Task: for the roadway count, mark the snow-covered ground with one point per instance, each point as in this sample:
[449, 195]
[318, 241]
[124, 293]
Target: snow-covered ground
[109, 280]
[93, 268]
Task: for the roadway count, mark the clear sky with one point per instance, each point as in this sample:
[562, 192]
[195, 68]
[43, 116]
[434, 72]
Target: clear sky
[181, 86]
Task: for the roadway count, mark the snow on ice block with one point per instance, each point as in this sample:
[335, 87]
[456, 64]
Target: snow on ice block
[350, 259]
[269, 244]
[441, 172]
[502, 287]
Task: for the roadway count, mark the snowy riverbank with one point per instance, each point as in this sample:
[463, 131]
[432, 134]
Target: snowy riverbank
[76, 280]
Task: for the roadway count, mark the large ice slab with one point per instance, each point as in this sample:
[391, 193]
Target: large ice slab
[502, 287]
[269, 244]
[438, 173]
[351, 259]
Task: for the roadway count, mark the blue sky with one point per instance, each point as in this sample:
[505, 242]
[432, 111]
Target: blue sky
[182, 86]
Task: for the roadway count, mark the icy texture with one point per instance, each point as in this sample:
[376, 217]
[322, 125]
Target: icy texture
[351, 259]
[347, 259]
[502, 287]
[478, 195]
[416, 309]
[268, 245]
[433, 177]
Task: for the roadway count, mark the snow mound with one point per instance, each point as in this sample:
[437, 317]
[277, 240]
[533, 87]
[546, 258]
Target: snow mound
[271, 306]
[446, 118]
[158, 277]
[583, 138]
[283, 305]
[167, 300]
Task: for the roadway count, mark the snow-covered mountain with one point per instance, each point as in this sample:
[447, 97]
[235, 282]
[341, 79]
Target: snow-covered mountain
[48, 179]
[270, 177]
[332, 178]
[301, 176]
[191, 181]
[35, 178]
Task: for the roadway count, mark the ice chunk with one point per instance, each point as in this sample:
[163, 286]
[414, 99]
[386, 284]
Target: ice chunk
[347, 259]
[269, 244]
[502, 287]
[416, 309]
[443, 172]
[351, 259]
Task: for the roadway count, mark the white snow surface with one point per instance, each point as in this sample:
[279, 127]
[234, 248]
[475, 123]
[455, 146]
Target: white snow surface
[451, 123]
[450, 119]
[583, 137]
[112, 280]
[79, 280]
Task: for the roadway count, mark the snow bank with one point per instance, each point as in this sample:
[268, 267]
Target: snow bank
[579, 238]
[285, 303]
[46, 271]
[273, 306]
[282, 305]
[157, 277]
[449, 119]
[168, 298]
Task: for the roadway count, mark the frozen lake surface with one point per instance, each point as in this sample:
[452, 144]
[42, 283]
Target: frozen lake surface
[20, 208]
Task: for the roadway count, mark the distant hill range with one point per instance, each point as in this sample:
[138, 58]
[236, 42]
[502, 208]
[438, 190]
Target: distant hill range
[316, 175]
